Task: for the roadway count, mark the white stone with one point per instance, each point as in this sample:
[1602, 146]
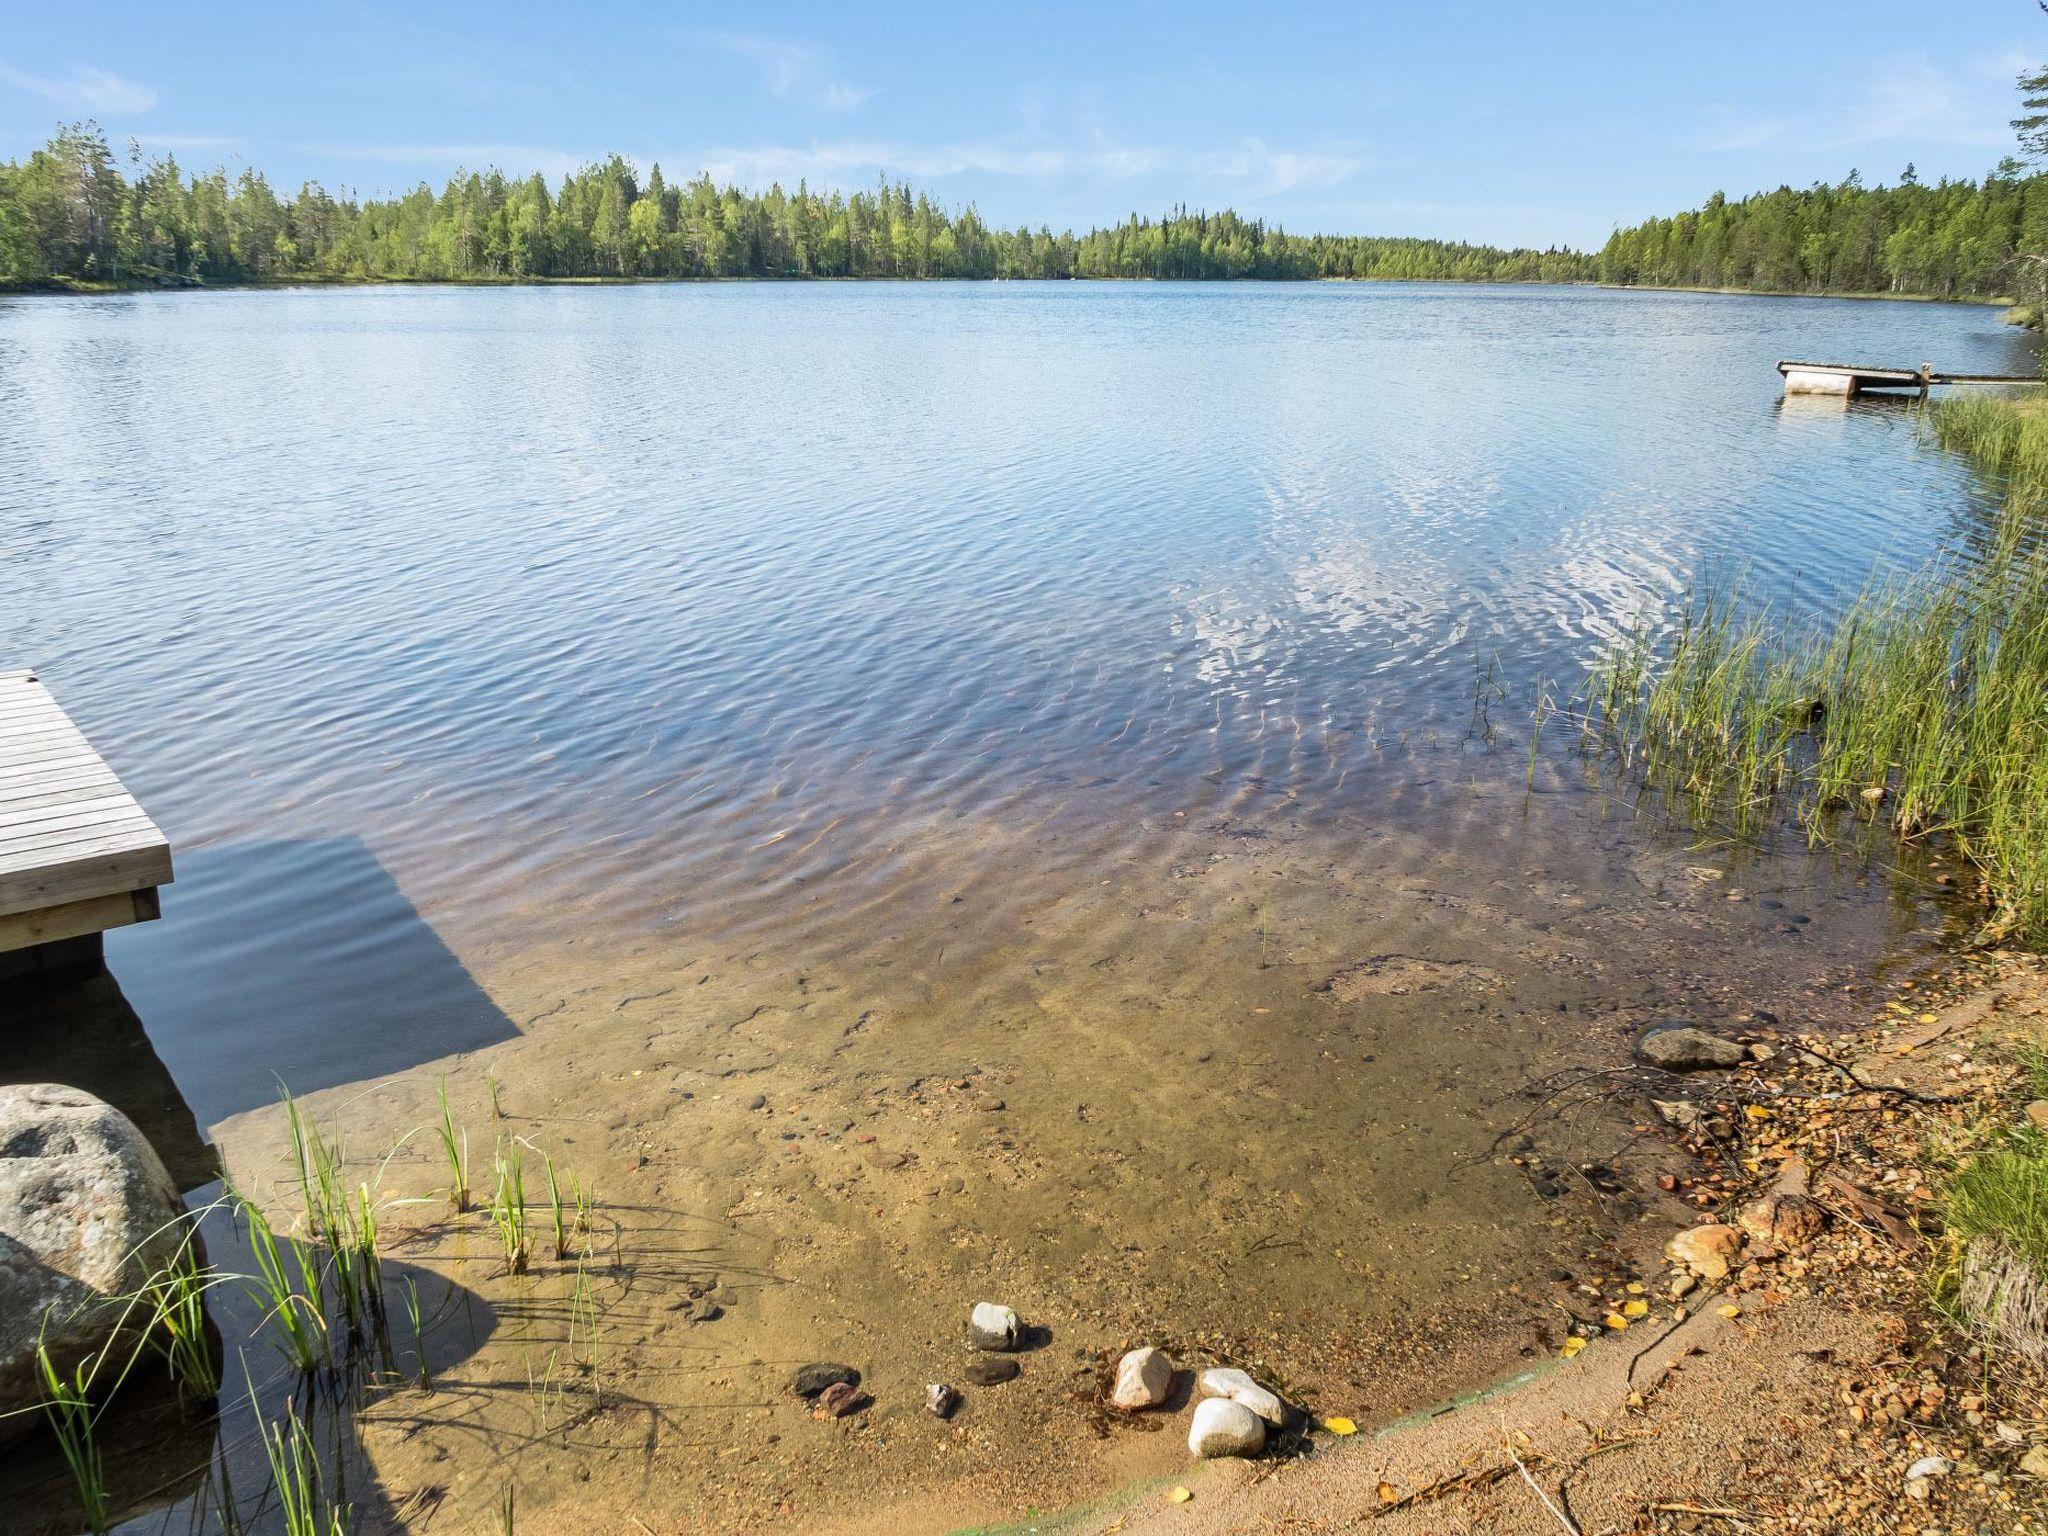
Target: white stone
[86, 1212]
[993, 1327]
[1144, 1378]
[1930, 1466]
[1225, 1428]
[1226, 1382]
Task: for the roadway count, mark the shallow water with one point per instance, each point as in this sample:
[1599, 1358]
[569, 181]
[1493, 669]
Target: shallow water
[893, 700]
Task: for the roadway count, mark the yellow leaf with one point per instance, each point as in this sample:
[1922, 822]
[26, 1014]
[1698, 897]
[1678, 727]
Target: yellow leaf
[1389, 1494]
[1615, 1321]
[1180, 1496]
[1756, 1112]
[1636, 1309]
[1730, 1311]
[1572, 1346]
[1635, 1287]
[1930, 1018]
[1338, 1425]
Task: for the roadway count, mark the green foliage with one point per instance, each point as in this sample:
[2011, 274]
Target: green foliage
[68, 214]
[1925, 703]
[1957, 239]
[69, 1408]
[295, 1475]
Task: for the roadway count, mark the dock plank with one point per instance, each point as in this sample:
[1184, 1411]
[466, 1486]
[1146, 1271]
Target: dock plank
[75, 846]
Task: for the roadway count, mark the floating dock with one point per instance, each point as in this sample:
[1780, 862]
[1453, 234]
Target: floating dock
[78, 855]
[1848, 379]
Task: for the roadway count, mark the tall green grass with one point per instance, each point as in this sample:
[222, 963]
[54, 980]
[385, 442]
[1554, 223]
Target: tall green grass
[1923, 706]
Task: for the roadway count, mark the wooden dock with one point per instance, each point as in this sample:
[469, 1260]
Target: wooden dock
[1850, 379]
[78, 855]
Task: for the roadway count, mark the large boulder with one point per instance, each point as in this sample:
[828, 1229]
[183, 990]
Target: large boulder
[87, 1212]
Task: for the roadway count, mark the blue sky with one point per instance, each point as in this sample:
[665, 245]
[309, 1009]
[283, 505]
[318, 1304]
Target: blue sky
[1513, 123]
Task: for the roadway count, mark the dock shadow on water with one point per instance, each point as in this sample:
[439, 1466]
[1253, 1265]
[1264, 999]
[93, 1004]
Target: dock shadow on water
[299, 962]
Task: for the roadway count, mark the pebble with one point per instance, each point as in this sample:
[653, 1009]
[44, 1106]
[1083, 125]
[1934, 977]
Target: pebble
[2035, 1462]
[1225, 1428]
[838, 1400]
[992, 1326]
[1677, 1046]
[941, 1399]
[1707, 1251]
[2037, 1114]
[814, 1378]
[1144, 1378]
[991, 1373]
[1238, 1387]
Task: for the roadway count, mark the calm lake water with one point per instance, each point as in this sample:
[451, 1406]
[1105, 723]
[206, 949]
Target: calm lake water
[532, 610]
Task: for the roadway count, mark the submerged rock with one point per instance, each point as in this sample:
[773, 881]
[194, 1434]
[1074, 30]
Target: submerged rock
[1144, 1379]
[1708, 1252]
[1676, 1046]
[991, 1373]
[1237, 1386]
[1225, 1428]
[814, 1378]
[86, 1213]
[991, 1326]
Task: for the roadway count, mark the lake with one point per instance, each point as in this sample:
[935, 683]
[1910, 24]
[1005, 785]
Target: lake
[1063, 750]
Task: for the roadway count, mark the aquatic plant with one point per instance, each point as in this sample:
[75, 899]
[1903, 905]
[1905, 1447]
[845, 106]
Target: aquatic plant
[295, 1474]
[68, 1407]
[555, 1209]
[1922, 707]
[176, 1291]
[419, 1333]
[508, 1206]
[456, 1151]
[290, 1291]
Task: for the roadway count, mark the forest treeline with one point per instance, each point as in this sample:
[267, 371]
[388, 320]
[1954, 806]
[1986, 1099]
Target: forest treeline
[70, 213]
[73, 213]
[1953, 239]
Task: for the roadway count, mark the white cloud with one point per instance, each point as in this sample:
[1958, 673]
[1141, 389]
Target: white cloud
[1249, 167]
[85, 89]
[794, 71]
[1904, 100]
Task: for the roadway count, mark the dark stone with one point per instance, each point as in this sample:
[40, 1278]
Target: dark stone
[814, 1378]
[990, 1373]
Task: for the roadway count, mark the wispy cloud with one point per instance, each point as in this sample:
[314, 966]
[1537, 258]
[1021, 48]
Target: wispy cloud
[794, 71]
[1247, 168]
[1251, 166]
[85, 89]
[1905, 100]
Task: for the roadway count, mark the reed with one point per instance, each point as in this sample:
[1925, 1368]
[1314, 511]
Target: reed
[584, 1321]
[1923, 707]
[176, 1292]
[455, 1149]
[508, 1206]
[419, 1333]
[68, 1407]
[556, 1210]
[287, 1284]
[295, 1474]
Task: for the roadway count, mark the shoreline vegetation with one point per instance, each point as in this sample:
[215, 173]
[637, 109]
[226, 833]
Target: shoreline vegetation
[1922, 707]
[72, 219]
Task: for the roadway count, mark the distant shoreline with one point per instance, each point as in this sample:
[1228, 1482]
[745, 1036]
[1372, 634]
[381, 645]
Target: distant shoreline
[71, 288]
